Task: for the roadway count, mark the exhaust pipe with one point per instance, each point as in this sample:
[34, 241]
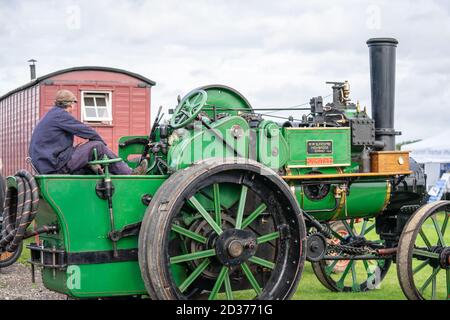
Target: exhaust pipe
[32, 69]
[382, 86]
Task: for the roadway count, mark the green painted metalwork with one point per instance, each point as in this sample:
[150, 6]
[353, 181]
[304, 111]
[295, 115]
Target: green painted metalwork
[251, 217]
[201, 143]
[193, 256]
[262, 262]
[218, 128]
[132, 151]
[240, 211]
[188, 108]
[272, 147]
[222, 99]
[268, 237]
[217, 208]
[371, 190]
[251, 278]
[205, 215]
[318, 147]
[190, 234]
[220, 279]
[194, 275]
[71, 203]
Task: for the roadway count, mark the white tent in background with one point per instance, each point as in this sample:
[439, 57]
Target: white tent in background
[435, 149]
[434, 153]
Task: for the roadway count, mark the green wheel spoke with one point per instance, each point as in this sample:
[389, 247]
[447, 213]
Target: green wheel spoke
[185, 113]
[268, 237]
[340, 283]
[228, 290]
[188, 233]
[349, 229]
[251, 278]
[366, 266]
[337, 235]
[194, 275]
[197, 99]
[428, 281]
[247, 221]
[329, 268]
[193, 256]
[424, 253]
[241, 207]
[262, 262]
[425, 238]
[215, 290]
[438, 231]
[355, 286]
[216, 191]
[363, 228]
[370, 228]
[352, 224]
[205, 215]
[444, 225]
[421, 266]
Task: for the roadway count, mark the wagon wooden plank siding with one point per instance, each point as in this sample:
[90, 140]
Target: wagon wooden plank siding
[114, 102]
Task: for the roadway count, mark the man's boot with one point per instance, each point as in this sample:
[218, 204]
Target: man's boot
[141, 169]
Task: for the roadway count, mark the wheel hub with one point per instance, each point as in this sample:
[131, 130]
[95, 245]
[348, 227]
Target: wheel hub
[445, 258]
[316, 247]
[234, 246]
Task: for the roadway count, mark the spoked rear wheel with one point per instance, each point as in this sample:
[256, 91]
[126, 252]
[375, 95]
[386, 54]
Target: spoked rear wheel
[423, 255]
[222, 231]
[346, 275]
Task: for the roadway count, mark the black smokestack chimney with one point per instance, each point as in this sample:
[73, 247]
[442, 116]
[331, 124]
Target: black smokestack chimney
[32, 69]
[382, 85]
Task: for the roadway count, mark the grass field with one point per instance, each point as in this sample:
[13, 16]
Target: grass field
[311, 289]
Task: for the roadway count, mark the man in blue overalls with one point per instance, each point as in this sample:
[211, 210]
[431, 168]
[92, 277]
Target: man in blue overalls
[51, 148]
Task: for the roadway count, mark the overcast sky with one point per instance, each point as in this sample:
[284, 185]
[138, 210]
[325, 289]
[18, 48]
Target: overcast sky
[276, 53]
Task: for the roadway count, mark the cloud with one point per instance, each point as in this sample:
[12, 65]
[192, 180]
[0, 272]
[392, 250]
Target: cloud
[277, 53]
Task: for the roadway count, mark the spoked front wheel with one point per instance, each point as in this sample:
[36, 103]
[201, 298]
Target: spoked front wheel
[423, 255]
[348, 275]
[222, 231]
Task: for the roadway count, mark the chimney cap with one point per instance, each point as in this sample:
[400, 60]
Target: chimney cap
[32, 61]
[382, 41]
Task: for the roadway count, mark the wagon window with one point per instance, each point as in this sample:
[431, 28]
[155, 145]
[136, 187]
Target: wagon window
[96, 106]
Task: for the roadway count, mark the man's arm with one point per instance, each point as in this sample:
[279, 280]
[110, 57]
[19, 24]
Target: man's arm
[68, 123]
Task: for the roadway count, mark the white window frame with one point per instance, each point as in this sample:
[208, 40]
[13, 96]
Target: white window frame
[108, 106]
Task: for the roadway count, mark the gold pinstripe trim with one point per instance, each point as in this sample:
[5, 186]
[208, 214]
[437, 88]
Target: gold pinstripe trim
[388, 195]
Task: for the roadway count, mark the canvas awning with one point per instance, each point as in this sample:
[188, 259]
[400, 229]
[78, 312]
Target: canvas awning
[433, 149]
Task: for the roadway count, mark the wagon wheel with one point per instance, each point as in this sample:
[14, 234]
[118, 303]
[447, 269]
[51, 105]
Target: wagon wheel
[423, 255]
[8, 258]
[188, 108]
[351, 275]
[224, 231]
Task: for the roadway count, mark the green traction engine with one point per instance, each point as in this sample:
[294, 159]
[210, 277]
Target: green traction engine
[234, 203]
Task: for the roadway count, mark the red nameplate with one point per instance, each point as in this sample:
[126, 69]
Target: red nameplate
[319, 161]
